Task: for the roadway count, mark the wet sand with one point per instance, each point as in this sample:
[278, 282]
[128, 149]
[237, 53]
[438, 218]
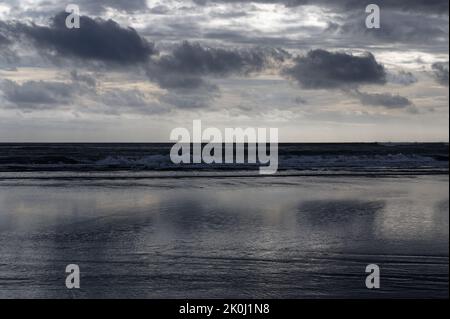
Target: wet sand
[280, 237]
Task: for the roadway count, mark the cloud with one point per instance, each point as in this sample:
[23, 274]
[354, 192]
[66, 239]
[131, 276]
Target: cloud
[386, 100]
[99, 6]
[96, 39]
[79, 95]
[300, 100]
[82, 95]
[440, 72]
[432, 6]
[8, 57]
[4, 41]
[401, 77]
[33, 95]
[83, 78]
[160, 9]
[43, 95]
[321, 69]
[131, 101]
[176, 80]
[196, 99]
[192, 58]
[185, 66]
[396, 27]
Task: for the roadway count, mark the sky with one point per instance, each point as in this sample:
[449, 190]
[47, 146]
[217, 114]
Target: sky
[137, 69]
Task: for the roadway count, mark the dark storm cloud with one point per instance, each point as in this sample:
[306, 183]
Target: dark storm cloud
[440, 71]
[185, 66]
[187, 71]
[176, 80]
[96, 39]
[386, 100]
[433, 6]
[321, 69]
[192, 58]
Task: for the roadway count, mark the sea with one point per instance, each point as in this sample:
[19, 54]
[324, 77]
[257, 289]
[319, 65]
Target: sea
[140, 226]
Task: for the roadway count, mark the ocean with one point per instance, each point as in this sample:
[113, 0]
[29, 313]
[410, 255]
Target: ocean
[140, 226]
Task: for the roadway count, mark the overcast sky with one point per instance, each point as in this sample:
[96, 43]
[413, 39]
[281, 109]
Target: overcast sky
[136, 69]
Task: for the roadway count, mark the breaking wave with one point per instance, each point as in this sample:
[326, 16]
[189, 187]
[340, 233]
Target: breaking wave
[155, 157]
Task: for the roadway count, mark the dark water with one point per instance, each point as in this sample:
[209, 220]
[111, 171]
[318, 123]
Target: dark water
[155, 157]
[146, 234]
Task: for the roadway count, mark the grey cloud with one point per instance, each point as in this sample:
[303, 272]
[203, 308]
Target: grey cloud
[192, 58]
[160, 9]
[189, 100]
[36, 94]
[440, 71]
[432, 6]
[258, 39]
[8, 57]
[404, 23]
[300, 100]
[230, 14]
[4, 41]
[138, 102]
[401, 77]
[396, 27]
[95, 7]
[79, 95]
[321, 69]
[185, 66]
[174, 28]
[133, 98]
[99, 6]
[96, 39]
[131, 101]
[386, 100]
[83, 78]
[176, 80]
[82, 95]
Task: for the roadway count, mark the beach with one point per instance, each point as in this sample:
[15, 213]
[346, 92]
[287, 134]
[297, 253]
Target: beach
[259, 153]
[216, 237]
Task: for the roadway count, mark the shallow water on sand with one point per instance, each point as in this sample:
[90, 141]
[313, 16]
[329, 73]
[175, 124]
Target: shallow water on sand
[280, 237]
